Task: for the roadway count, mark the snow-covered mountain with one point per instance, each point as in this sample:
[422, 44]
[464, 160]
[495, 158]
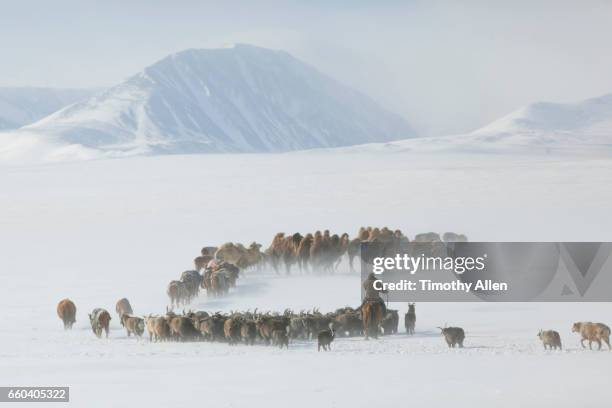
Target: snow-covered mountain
[20, 106]
[542, 127]
[588, 122]
[240, 99]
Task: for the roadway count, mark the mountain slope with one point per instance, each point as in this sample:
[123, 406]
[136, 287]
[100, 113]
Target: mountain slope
[583, 127]
[588, 122]
[242, 99]
[20, 106]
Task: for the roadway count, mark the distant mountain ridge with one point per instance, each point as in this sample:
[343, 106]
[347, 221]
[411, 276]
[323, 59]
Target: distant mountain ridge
[250, 99]
[20, 106]
[241, 99]
[588, 122]
[583, 127]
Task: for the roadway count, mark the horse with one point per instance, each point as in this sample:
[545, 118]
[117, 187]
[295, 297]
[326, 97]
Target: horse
[372, 315]
[66, 310]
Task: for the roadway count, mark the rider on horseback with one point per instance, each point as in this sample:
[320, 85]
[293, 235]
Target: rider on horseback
[372, 294]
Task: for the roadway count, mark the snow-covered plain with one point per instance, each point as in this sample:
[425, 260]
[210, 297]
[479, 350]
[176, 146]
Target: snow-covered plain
[100, 230]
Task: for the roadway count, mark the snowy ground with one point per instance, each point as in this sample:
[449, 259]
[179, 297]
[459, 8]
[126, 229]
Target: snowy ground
[98, 231]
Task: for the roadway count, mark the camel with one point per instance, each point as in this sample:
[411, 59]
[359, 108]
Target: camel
[284, 249]
[275, 250]
[253, 255]
[317, 251]
[238, 255]
[230, 252]
[303, 252]
[364, 233]
[353, 249]
[290, 253]
[374, 233]
[341, 248]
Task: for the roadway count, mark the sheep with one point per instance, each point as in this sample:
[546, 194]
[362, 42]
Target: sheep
[453, 335]
[551, 339]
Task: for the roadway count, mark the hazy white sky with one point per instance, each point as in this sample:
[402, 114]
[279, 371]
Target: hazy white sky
[447, 66]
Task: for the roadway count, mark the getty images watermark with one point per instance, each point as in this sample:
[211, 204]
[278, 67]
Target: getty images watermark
[490, 271]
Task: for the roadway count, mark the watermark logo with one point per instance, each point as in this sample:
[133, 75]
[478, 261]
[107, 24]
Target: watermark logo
[490, 271]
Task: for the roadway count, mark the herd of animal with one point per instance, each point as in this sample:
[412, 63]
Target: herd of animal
[321, 252]
[278, 329]
[217, 269]
[239, 327]
[217, 279]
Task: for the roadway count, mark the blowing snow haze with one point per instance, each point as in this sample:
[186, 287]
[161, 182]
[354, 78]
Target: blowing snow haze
[20, 106]
[240, 99]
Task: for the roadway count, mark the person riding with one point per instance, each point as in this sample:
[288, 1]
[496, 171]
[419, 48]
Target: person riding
[211, 267]
[212, 264]
[372, 295]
